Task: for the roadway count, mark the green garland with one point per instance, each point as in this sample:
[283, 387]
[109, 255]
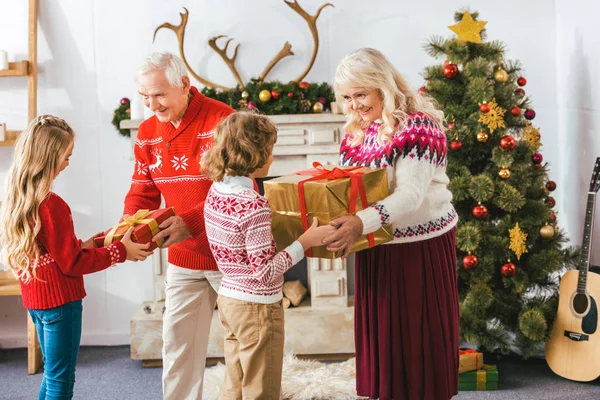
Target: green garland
[282, 98]
[122, 112]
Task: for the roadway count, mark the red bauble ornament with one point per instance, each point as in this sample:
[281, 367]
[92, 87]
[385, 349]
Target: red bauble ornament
[521, 81]
[470, 261]
[456, 145]
[274, 94]
[529, 114]
[450, 124]
[484, 108]
[537, 158]
[508, 270]
[290, 94]
[124, 101]
[422, 90]
[450, 71]
[550, 201]
[516, 111]
[508, 142]
[304, 85]
[553, 217]
[322, 100]
[520, 92]
[551, 186]
[251, 105]
[480, 211]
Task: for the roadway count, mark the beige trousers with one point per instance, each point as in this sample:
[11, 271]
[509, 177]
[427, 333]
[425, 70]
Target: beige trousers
[189, 305]
[254, 339]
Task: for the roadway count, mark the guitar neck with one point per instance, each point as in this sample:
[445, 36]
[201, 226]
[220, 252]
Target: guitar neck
[586, 242]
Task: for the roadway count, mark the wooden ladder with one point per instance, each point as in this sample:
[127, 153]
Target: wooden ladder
[9, 286]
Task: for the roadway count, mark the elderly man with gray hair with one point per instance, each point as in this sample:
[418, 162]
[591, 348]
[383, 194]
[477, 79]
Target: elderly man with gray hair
[168, 149]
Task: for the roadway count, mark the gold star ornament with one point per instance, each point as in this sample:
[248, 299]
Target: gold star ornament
[468, 29]
[518, 241]
[532, 136]
[494, 118]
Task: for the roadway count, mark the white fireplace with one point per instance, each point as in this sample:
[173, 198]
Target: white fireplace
[322, 324]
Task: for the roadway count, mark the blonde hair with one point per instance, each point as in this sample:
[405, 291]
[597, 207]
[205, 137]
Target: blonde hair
[39, 153]
[369, 68]
[173, 66]
[243, 143]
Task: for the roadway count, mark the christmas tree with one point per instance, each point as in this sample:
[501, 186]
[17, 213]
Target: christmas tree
[508, 245]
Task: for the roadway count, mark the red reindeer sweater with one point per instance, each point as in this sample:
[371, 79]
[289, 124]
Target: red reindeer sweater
[167, 163]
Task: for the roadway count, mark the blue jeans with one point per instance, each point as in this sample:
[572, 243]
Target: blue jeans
[59, 332]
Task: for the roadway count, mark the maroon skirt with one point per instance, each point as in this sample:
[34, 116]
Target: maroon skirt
[406, 320]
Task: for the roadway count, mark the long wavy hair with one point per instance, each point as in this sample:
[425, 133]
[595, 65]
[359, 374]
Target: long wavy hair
[243, 142]
[370, 69]
[39, 152]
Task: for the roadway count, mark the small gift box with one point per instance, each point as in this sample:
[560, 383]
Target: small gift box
[469, 360]
[482, 379]
[326, 195]
[145, 225]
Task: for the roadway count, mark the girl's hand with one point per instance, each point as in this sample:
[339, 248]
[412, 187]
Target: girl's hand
[135, 251]
[315, 234]
[89, 244]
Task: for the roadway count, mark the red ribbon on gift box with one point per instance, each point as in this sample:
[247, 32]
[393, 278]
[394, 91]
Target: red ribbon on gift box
[357, 187]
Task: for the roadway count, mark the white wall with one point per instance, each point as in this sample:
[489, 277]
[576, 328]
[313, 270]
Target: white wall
[578, 66]
[89, 50]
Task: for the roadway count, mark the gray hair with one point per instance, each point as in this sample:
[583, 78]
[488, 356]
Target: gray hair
[173, 66]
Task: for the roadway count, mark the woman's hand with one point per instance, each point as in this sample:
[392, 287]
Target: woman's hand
[349, 228]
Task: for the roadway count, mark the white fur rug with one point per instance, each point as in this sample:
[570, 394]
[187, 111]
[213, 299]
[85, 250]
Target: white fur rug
[302, 380]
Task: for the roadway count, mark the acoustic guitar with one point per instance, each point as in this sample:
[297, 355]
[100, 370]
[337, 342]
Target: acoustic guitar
[573, 348]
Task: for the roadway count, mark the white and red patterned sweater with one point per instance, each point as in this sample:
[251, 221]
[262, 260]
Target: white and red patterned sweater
[167, 163]
[419, 206]
[238, 227]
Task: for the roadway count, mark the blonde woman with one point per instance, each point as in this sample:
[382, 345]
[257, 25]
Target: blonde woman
[238, 227]
[39, 245]
[406, 295]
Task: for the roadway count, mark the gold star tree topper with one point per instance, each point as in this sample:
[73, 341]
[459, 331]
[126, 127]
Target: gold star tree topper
[518, 240]
[468, 29]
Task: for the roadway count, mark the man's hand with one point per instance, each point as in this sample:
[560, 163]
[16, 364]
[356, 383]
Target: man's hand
[173, 231]
[349, 230]
[89, 244]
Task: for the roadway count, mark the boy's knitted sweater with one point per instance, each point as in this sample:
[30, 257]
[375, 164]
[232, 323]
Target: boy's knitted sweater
[238, 227]
[62, 261]
[167, 163]
[419, 206]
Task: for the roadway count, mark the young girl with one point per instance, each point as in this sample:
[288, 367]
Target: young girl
[238, 228]
[39, 245]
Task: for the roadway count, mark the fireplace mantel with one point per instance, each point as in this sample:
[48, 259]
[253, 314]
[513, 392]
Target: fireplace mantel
[302, 139]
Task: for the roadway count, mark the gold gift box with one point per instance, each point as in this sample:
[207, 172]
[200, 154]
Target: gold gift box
[326, 199]
[469, 360]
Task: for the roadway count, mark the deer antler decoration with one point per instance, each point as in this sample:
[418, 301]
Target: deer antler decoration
[286, 51]
[180, 32]
[223, 53]
[311, 20]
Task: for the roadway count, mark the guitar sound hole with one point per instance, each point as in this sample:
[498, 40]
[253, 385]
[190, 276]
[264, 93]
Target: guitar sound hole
[580, 303]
